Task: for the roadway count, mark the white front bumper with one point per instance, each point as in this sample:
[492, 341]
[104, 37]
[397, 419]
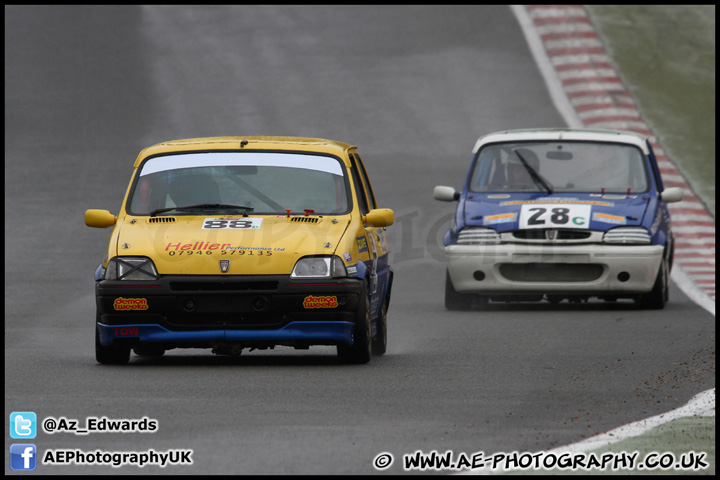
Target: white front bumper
[596, 269]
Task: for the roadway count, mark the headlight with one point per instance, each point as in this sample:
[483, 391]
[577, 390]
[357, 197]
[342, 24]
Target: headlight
[627, 235]
[130, 268]
[319, 267]
[478, 235]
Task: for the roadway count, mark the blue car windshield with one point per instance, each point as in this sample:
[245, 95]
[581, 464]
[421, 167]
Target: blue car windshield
[257, 182]
[557, 166]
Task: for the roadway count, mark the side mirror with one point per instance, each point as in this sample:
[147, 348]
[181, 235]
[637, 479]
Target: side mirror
[446, 194]
[380, 217]
[99, 218]
[672, 194]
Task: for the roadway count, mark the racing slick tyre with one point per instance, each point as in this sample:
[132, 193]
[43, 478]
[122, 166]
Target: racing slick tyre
[361, 349]
[379, 343]
[149, 351]
[455, 300]
[659, 295]
[115, 354]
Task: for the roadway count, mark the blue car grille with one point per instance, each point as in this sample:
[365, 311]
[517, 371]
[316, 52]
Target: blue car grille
[541, 234]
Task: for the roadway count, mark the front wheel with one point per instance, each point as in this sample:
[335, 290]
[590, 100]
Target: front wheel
[361, 349]
[659, 295]
[455, 300]
[149, 351]
[379, 343]
[115, 354]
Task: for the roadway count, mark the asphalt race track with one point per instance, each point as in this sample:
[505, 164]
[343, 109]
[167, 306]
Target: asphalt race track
[86, 88]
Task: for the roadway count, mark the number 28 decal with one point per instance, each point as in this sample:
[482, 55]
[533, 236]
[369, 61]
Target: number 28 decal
[235, 223]
[555, 216]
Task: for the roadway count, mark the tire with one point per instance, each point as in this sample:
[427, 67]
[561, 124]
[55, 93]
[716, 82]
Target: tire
[455, 300]
[361, 349]
[115, 354]
[379, 343]
[659, 295]
[148, 350]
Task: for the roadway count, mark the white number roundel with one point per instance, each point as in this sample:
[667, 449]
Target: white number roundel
[555, 216]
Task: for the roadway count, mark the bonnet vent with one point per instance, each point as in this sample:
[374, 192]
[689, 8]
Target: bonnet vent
[304, 219]
[161, 220]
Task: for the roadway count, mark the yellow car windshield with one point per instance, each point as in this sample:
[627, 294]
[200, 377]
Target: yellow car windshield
[257, 182]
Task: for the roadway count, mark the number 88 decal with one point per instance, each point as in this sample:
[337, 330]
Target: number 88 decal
[219, 223]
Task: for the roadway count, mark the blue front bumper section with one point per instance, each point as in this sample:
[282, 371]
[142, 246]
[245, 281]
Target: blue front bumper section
[309, 332]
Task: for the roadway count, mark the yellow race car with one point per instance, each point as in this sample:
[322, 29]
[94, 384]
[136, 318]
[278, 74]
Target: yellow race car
[244, 242]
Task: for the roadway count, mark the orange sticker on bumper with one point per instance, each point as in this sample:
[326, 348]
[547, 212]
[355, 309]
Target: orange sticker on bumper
[130, 304]
[320, 302]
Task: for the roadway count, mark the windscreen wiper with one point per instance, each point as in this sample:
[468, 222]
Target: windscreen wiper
[535, 176]
[202, 205]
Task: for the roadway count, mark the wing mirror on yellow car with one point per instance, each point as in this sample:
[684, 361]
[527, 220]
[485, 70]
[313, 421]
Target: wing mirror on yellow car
[379, 217]
[99, 218]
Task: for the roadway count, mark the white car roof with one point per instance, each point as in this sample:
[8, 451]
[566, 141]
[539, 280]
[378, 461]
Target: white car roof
[564, 134]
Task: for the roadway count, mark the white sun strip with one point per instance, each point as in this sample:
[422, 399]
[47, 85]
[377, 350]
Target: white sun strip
[255, 159]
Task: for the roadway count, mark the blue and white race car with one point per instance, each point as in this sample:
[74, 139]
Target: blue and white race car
[559, 214]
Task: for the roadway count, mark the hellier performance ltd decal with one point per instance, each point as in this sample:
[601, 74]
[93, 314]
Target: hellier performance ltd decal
[209, 248]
